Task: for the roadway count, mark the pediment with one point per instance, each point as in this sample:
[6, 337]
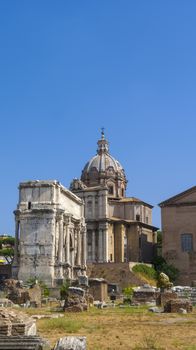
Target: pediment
[186, 197]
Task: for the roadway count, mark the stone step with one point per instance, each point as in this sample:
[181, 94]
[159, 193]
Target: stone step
[21, 343]
[20, 347]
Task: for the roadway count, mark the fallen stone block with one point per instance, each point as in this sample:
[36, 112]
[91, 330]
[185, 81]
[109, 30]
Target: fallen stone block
[176, 305]
[71, 343]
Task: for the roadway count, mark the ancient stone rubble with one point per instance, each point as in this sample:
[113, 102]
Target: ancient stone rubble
[75, 300]
[20, 295]
[16, 323]
[175, 305]
[71, 343]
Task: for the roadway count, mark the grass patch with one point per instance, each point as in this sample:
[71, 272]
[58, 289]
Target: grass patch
[60, 324]
[122, 329]
[146, 272]
[149, 343]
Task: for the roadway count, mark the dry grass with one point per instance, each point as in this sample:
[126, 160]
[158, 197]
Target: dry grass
[124, 329]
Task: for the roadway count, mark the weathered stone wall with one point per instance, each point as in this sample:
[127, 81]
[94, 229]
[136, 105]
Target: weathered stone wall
[178, 220]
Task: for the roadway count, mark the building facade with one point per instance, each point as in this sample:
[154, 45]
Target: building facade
[119, 228]
[50, 233]
[178, 215]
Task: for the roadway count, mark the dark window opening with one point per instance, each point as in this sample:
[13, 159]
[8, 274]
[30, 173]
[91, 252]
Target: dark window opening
[29, 205]
[140, 242]
[111, 190]
[110, 257]
[123, 192]
[137, 217]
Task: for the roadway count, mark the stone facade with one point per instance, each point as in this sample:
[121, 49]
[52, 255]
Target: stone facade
[119, 229]
[50, 233]
[178, 215]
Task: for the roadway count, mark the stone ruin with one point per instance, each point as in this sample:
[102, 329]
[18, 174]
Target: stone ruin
[71, 343]
[170, 301]
[12, 323]
[166, 296]
[21, 295]
[18, 332]
[178, 305]
[144, 294]
[75, 300]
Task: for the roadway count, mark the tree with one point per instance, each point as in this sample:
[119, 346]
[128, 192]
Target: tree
[7, 248]
[161, 265]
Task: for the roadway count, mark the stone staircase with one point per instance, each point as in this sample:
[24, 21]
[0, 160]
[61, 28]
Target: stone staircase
[23, 343]
[119, 273]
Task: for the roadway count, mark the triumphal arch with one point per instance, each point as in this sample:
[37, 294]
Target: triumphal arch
[50, 233]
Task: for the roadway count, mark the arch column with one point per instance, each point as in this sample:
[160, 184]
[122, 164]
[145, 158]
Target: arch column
[60, 242]
[105, 244]
[100, 245]
[67, 242]
[84, 245]
[78, 247]
[93, 245]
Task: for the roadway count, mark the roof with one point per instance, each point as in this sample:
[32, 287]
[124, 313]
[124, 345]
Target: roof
[131, 200]
[140, 223]
[178, 196]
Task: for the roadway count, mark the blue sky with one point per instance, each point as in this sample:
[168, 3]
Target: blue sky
[67, 68]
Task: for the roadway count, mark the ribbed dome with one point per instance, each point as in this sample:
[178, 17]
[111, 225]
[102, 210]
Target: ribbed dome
[103, 167]
[102, 162]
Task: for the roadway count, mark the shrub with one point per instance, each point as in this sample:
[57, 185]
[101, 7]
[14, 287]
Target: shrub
[64, 289]
[33, 280]
[128, 293]
[145, 270]
[161, 265]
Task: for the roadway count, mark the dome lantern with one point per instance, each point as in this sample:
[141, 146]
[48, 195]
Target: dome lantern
[104, 170]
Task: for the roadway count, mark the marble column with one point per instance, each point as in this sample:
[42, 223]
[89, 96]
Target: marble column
[67, 253]
[78, 247]
[56, 231]
[105, 245]
[93, 245]
[60, 245]
[101, 206]
[84, 246]
[53, 194]
[100, 249]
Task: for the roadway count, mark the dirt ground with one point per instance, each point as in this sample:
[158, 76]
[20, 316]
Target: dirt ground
[123, 329]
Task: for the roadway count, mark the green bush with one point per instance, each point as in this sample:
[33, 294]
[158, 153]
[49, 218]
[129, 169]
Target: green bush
[64, 289]
[146, 270]
[33, 280]
[161, 265]
[127, 293]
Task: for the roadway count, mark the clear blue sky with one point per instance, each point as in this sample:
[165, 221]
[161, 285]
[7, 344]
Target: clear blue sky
[67, 68]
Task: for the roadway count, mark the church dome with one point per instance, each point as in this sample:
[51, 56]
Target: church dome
[103, 169]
